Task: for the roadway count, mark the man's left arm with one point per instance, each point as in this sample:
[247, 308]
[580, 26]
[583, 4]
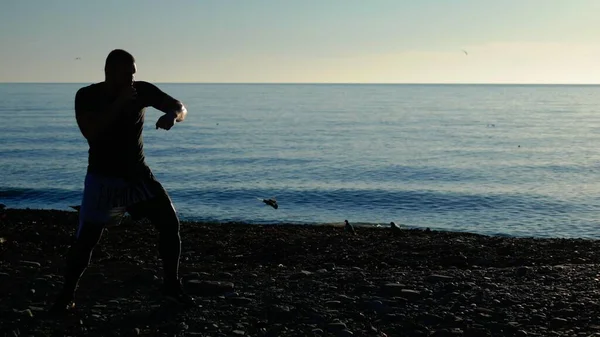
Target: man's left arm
[172, 106]
[161, 101]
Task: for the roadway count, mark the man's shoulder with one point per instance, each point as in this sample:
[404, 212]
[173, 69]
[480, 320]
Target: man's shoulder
[91, 89]
[143, 85]
[88, 96]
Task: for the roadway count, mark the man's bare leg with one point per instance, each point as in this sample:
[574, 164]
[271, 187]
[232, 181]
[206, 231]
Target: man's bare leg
[77, 261]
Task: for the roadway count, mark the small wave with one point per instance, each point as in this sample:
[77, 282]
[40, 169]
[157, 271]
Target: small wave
[36, 196]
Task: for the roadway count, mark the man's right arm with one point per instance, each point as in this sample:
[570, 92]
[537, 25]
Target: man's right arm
[91, 122]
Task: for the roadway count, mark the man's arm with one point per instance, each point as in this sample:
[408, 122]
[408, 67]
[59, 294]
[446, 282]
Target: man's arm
[93, 123]
[165, 103]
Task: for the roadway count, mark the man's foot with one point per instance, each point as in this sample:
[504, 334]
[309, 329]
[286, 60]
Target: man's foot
[174, 292]
[63, 304]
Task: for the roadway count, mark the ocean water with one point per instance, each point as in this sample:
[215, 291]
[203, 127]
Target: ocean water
[517, 160]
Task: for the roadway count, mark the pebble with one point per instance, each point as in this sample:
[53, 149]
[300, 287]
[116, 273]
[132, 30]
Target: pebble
[336, 326]
[302, 273]
[438, 278]
[31, 263]
[209, 287]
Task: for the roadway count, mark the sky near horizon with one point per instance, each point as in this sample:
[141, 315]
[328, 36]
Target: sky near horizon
[297, 41]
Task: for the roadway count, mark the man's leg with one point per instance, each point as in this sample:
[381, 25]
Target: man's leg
[94, 215]
[160, 211]
[78, 259]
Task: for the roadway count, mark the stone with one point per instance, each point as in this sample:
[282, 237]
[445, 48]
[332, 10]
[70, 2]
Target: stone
[202, 287]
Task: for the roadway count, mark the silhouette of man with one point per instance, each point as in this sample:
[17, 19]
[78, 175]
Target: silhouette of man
[110, 115]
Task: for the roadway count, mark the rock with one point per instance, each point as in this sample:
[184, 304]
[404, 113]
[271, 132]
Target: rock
[333, 303]
[378, 306]
[238, 332]
[318, 331]
[31, 264]
[438, 278]
[345, 333]
[231, 294]
[393, 289]
[409, 293]
[301, 274]
[277, 311]
[24, 313]
[336, 327]
[240, 300]
[2, 274]
[201, 287]
[522, 271]
[521, 333]
[225, 275]
[136, 331]
[329, 266]
[447, 333]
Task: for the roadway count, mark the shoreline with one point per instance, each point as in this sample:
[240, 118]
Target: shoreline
[362, 225]
[277, 280]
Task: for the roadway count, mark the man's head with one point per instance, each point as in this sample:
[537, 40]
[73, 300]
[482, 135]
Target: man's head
[119, 68]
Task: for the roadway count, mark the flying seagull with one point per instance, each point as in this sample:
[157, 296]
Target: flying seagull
[77, 208]
[78, 58]
[271, 202]
[464, 51]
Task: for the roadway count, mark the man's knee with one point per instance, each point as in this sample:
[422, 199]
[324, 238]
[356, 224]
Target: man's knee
[164, 218]
[88, 234]
[167, 222]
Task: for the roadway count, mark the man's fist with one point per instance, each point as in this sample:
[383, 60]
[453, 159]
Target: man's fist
[165, 121]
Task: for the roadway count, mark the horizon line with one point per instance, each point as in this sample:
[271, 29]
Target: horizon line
[331, 83]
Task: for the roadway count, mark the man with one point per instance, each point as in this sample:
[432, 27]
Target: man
[110, 115]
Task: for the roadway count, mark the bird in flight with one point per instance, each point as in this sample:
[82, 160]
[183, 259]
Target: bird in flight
[271, 202]
[464, 51]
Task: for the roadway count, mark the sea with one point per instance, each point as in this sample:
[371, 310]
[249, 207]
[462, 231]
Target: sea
[507, 160]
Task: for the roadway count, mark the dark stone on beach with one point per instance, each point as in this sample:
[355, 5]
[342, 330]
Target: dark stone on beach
[522, 271]
[241, 300]
[31, 264]
[392, 289]
[301, 274]
[336, 327]
[225, 275]
[202, 287]
[438, 278]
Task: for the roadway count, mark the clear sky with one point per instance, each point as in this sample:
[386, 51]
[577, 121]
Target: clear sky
[349, 41]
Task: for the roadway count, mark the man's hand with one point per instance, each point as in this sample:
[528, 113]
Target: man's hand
[166, 121]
